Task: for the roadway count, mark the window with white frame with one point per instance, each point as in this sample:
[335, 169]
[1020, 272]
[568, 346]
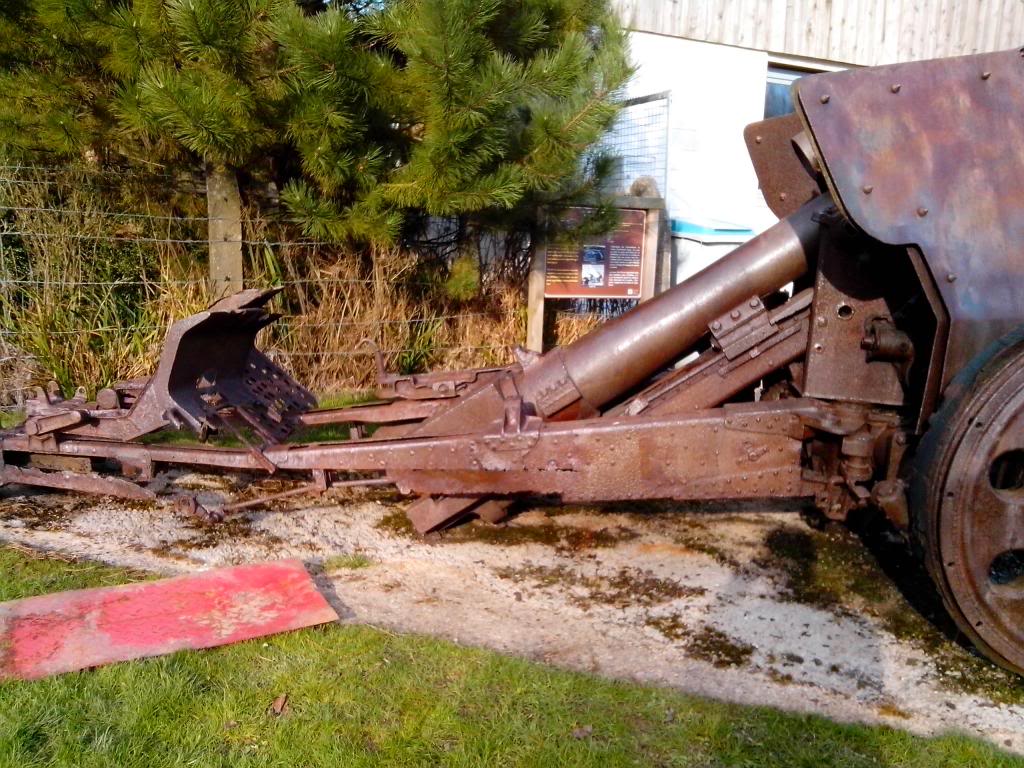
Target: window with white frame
[778, 100]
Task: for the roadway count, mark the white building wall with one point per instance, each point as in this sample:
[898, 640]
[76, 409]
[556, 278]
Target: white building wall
[715, 92]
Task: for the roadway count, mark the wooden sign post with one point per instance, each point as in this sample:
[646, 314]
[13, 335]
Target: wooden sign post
[621, 264]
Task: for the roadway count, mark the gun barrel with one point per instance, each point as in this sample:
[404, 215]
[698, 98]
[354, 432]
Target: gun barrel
[626, 351]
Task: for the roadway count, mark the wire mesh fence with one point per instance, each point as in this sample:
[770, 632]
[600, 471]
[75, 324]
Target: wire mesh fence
[95, 266]
[638, 141]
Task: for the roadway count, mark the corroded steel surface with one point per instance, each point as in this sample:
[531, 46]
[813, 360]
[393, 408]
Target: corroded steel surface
[846, 302]
[372, 413]
[783, 173]
[74, 481]
[68, 631]
[741, 452]
[928, 153]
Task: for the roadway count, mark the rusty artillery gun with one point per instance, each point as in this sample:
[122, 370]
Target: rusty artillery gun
[890, 375]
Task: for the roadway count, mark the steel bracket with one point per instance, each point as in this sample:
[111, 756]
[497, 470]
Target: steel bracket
[743, 327]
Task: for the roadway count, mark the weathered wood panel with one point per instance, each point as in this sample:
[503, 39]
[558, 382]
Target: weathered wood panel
[852, 31]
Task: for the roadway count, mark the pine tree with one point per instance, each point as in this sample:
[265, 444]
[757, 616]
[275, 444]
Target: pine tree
[341, 119]
[492, 103]
[56, 94]
[367, 113]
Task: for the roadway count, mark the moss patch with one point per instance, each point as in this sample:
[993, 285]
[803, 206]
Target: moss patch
[397, 523]
[233, 528]
[44, 514]
[714, 646]
[672, 627]
[347, 562]
[822, 568]
[563, 538]
[622, 589]
[699, 543]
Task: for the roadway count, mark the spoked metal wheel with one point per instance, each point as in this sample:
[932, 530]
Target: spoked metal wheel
[969, 504]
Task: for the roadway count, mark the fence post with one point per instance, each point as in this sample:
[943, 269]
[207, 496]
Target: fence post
[224, 210]
[535, 299]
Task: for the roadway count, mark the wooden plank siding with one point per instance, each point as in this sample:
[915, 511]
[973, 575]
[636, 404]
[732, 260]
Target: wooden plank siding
[864, 32]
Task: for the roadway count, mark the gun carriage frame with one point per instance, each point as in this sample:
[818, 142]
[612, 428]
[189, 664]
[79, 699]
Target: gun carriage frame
[890, 374]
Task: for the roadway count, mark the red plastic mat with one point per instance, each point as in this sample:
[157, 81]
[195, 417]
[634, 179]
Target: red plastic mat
[67, 631]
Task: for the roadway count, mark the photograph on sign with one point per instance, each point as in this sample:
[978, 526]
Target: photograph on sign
[608, 266]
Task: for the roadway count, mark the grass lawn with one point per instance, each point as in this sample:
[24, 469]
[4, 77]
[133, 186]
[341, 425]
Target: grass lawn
[359, 696]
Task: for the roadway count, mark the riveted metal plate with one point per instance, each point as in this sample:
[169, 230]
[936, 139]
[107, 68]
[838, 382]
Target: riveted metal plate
[785, 181]
[928, 153]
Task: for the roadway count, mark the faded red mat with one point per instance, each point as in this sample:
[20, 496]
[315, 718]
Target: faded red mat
[67, 631]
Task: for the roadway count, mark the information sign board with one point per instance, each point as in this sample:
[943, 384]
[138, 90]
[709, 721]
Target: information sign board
[609, 266]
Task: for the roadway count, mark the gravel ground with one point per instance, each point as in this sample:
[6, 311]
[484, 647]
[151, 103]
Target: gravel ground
[741, 604]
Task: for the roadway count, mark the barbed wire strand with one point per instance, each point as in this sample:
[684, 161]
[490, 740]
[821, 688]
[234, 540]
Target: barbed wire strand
[167, 240]
[361, 352]
[155, 282]
[281, 325]
[144, 216]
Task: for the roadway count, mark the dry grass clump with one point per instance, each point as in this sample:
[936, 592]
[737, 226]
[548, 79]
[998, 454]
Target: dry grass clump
[570, 326]
[85, 290]
[340, 303]
[333, 310]
[343, 301]
[486, 338]
[17, 373]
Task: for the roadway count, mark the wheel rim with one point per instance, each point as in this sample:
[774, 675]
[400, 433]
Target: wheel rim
[981, 522]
